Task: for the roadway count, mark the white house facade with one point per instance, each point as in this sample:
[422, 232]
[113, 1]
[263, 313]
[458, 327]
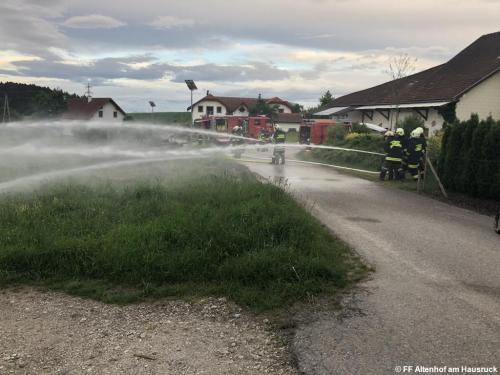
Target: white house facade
[211, 105]
[94, 109]
[108, 112]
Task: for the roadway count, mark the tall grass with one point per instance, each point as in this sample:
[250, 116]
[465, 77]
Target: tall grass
[221, 235]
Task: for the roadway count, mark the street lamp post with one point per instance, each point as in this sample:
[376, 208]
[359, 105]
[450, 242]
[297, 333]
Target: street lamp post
[153, 105]
[191, 86]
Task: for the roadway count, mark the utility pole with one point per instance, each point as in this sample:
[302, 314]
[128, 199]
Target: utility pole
[89, 92]
[6, 110]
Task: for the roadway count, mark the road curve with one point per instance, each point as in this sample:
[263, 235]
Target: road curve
[434, 299]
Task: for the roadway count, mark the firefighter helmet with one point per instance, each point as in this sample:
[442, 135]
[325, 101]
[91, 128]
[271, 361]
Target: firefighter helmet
[388, 133]
[400, 132]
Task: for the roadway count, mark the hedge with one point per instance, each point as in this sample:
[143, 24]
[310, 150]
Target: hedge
[470, 157]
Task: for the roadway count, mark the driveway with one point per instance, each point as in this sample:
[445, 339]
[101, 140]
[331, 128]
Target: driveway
[434, 299]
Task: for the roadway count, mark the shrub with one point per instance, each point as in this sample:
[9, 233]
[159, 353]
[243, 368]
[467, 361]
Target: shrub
[360, 128]
[336, 133]
[352, 136]
[409, 123]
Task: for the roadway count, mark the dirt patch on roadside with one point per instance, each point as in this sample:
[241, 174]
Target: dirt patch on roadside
[53, 333]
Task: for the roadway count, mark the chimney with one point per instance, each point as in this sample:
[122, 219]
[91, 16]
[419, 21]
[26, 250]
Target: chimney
[260, 96]
[208, 92]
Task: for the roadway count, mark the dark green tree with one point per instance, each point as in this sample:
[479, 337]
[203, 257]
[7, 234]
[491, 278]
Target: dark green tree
[326, 99]
[264, 109]
[409, 123]
[465, 173]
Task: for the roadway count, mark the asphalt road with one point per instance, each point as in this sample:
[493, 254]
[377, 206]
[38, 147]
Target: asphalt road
[434, 299]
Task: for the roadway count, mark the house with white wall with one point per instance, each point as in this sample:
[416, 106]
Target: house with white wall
[289, 121]
[468, 83]
[94, 109]
[233, 106]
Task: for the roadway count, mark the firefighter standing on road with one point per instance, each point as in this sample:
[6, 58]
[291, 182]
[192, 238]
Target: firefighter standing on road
[394, 156]
[237, 132]
[279, 138]
[416, 151]
[404, 141]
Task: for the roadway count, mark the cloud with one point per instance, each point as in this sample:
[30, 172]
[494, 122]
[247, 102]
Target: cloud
[170, 22]
[93, 21]
[229, 73]
[26, 27]
[145, 67]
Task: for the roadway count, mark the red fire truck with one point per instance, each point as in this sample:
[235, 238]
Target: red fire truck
[315, 131]
[252, 125]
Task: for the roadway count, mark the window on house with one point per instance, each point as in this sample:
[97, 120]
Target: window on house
[242, 109]
[101, 113]
[219, 109]
[281, 110]
[200, 108]
[210, 110]
[115, 114]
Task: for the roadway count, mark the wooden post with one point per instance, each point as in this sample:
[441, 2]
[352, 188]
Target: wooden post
[425, 171]
[438, 180]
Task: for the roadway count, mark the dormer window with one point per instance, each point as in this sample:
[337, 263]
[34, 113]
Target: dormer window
[242, 109]
[101, 113]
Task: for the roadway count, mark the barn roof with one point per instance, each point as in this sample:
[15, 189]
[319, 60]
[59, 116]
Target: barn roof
[289, 118]
[82, 109]
[442, 83]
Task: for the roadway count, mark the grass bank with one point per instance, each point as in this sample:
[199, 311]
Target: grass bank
[225, 234]
[365, 142]
[168, 118]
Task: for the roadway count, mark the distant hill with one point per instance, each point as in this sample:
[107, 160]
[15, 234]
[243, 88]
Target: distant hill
[172, 118]
[32, 101]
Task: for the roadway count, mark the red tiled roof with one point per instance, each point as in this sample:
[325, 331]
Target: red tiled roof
[446, 82]
[232, 103]
[82, 109]
[291, 118]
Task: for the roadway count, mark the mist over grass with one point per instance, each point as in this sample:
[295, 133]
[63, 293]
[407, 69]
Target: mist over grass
[224, 234]
[123, 212]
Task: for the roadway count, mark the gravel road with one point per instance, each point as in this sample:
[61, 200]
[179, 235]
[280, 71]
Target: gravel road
[53, 333]
[434, 299]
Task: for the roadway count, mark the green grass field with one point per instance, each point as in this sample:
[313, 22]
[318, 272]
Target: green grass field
[208, 230]
[168, 118]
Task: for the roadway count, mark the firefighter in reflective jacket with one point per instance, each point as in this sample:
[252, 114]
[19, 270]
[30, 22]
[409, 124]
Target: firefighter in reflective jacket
[415, 152]
[393, 157]
[279, 138]
[404, 141]
[235, 140]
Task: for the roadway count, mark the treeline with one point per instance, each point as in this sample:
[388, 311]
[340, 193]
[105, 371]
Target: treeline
[32, 100]
[470, 157]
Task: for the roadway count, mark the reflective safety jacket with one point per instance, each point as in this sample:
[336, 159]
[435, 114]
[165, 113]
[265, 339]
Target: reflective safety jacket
[394, 149]
[279, 136]
[415, 151]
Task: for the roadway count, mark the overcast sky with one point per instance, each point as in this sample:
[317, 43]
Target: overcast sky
[135, 51]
